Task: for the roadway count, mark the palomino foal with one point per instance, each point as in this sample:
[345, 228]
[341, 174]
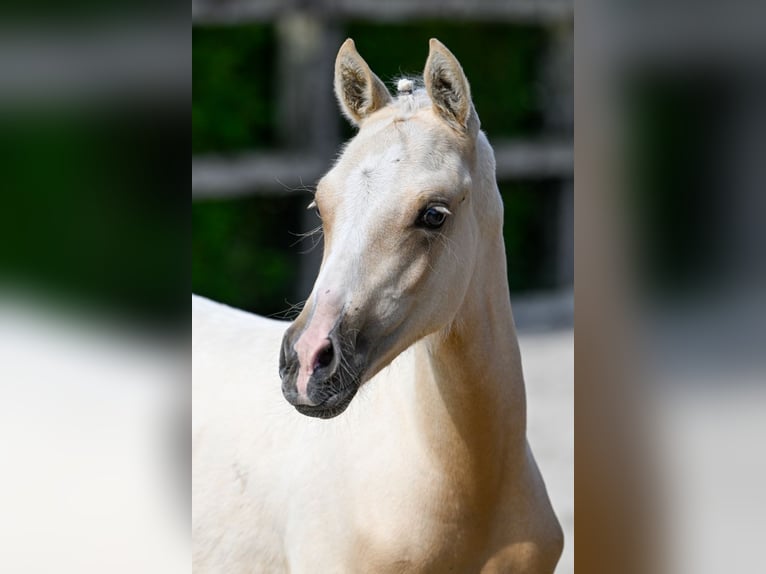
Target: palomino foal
[428, 470]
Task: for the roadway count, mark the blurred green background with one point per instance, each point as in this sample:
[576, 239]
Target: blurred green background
[245, 248]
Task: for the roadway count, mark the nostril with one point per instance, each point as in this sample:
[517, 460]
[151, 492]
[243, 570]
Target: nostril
[325, 356]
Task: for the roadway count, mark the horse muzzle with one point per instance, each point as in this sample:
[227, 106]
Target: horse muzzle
[323, 384]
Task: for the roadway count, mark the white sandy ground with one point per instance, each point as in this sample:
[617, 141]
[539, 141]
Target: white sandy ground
[548, 360]
[93, 477]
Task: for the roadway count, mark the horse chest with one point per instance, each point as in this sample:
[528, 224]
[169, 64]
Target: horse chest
[391, 512]
[419, 521]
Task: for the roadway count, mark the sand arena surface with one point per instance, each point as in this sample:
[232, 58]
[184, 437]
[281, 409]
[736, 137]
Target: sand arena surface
[548, 360]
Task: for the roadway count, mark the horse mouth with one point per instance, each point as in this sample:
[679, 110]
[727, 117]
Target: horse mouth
[332, 406]
[332, 385]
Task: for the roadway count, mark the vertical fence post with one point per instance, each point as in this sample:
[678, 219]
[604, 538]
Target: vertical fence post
[558, 73]
[308, 120]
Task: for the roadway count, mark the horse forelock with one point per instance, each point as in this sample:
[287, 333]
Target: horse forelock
[413, 98]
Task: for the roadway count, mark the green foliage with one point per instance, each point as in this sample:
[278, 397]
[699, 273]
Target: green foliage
[90, 215]
[529, 228]
[246, 251]
[673, 200]
[232, 98]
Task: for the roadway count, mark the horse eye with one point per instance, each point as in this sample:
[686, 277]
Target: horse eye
[434, 217]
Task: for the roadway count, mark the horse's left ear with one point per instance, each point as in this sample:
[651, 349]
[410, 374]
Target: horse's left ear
[448, 89]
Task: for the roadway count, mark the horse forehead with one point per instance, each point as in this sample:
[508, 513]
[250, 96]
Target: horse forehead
[398, 155]
[377, 161]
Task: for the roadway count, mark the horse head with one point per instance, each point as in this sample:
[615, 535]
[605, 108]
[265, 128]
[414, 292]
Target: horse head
[403, 211]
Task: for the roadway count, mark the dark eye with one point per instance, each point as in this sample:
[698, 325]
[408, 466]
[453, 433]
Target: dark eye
[433, 217]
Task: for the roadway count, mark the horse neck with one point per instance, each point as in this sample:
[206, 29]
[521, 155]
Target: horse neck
[470, 388]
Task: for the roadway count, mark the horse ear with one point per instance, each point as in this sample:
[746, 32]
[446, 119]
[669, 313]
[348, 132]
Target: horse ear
[448, 89]
[359, 91]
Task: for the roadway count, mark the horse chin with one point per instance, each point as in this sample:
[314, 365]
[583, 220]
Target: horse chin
[333, 406]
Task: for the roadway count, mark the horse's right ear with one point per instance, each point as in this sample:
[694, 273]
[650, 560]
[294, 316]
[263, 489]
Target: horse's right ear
[359, 91]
